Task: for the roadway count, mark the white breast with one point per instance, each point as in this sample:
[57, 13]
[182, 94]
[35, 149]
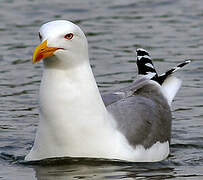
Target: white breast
[74, 122]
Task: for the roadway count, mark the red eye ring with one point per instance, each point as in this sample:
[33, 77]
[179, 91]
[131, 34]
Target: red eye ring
[68, 36]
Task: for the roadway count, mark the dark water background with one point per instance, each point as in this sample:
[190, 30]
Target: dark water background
[172, 31]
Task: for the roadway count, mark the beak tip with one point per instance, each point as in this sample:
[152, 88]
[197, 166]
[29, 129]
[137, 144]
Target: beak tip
[33, 61]
[42, 51]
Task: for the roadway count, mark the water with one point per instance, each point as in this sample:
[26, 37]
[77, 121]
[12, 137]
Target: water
[170, 30]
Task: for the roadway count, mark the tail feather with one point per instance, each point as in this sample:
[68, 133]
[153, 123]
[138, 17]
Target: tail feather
[170, 88]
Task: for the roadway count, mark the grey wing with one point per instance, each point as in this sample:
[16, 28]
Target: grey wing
[112, 97]
[115, 96]
[142, 113]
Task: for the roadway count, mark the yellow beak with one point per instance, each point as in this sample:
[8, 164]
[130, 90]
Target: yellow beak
[42, 51]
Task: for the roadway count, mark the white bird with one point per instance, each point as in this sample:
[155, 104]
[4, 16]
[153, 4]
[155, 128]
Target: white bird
[132, 124]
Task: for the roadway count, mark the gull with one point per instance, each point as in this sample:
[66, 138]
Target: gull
[75, 120]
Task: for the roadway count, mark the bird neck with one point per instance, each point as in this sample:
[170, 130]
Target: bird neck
[71, 95]
[72, 115]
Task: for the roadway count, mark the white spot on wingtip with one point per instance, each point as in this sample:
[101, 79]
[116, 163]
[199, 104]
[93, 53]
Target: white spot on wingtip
[149, 75]
[139, 57]
[145, 56]
[149, 65]
[188, 61]
[141, 49]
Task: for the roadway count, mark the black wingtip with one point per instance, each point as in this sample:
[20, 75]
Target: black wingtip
[142, 52]
[184, 63]
[144, 64]
[146, 67]
[162, 77]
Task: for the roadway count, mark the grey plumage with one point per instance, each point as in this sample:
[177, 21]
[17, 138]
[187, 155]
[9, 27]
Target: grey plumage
[141, 110]
[142, 113]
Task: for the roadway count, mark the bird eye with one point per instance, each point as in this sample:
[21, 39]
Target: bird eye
[68, 36]
[40, 37]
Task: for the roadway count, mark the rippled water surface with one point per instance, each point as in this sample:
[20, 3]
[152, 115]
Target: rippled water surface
[172, 31]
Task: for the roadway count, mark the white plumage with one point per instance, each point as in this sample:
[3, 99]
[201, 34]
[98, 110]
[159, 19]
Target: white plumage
[73, 118]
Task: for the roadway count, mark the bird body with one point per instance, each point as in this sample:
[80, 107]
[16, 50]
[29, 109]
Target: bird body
[73, 111]
[74, 122]
[132, 124]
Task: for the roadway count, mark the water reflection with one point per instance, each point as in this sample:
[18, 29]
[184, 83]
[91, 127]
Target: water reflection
[170, 30]
[86, 168]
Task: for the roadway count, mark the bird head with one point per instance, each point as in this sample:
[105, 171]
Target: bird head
[62, 42]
